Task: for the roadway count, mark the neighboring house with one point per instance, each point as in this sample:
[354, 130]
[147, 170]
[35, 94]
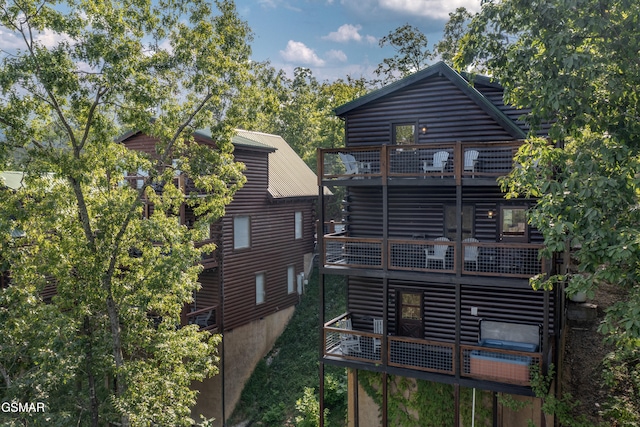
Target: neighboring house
[437, 262]
[254, 278]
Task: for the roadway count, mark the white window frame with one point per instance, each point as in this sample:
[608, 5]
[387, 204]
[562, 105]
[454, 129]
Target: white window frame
[261, 293]
[291, 279]
[298, 220]
[241, 232]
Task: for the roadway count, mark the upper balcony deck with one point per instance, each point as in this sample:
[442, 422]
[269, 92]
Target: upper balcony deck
[469, 163]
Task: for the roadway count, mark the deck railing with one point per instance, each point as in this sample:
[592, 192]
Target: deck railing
[205, 317]
[518, 260]
[483, 363]
[427, 161]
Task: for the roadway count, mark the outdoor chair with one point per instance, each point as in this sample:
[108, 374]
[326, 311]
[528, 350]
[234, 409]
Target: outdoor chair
[470, 160]
[352, 166]
[440, 159]
[203, 319]
[439, 253]
[471, 252]
[348, 342]
[377, 329]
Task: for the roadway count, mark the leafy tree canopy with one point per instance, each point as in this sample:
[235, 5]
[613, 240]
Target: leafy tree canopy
[107, 348]
[412, 53]
[575, 64]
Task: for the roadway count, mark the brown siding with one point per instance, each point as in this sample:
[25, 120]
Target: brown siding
[419, 211]
[449, 114]
[503, 304]
[273, 246]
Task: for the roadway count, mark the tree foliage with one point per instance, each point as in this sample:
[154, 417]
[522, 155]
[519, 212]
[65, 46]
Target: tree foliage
[106, 348]
[455, 28]
[574, 63]
[412, 53]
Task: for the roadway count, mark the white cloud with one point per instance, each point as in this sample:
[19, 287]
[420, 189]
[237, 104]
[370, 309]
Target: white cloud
[347, 33]
[10, 41]
[438, 9]
[48, 38]
[273, 4]
[336, 55]
[434, 9]
[298, 52]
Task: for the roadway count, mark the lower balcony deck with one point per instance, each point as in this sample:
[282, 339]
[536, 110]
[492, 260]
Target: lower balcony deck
[473, 362]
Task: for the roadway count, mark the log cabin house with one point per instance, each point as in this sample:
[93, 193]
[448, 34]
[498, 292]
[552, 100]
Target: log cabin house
[436, 262]
[253, 280]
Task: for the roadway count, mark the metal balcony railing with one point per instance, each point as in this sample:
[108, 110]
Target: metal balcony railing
[517, 260]
[432, 161]
[479, 362]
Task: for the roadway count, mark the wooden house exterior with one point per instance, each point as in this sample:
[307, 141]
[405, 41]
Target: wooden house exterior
[251, 282]
[437, 262]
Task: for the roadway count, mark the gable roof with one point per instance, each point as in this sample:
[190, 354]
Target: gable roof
[439, 69]
[289, 175]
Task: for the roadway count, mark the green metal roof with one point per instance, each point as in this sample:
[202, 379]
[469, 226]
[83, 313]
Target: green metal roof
[289, 175]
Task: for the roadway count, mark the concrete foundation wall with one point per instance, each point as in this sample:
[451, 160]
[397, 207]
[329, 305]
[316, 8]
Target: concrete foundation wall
[243, 349]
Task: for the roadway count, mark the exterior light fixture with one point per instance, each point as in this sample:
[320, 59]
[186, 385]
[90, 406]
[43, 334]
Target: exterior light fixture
[490, 214]
[423, 129]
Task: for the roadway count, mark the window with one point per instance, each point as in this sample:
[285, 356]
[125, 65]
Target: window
[404, 134]
[298, 225]
[513, 223]
[241, 232]
[260, 288]
[291, 279]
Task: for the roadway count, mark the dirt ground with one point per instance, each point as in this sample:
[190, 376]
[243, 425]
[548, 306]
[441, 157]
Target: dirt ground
[584, 353]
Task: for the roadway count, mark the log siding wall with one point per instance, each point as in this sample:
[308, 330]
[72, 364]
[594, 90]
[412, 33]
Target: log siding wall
[505, 304]
[449, 114]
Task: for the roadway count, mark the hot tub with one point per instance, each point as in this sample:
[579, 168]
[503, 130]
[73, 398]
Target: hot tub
[502, 366]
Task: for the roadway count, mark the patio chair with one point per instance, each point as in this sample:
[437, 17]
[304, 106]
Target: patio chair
[377, 329]
[471, 252]
[439, 252]
[348, 342]
[470, 160]
[203, 319]
[352, 166]
[440, 159]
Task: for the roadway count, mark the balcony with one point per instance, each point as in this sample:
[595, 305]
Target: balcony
[474, 361]
[206, 318]
[516, 260]
[455, 161]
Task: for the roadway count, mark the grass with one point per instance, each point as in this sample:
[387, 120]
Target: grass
[278, 381]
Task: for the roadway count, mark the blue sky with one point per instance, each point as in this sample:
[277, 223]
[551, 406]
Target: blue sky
[336, 38]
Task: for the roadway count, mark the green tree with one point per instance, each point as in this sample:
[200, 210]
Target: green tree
[106, 349]
[448, 46]
[412, 53]
[574, 63]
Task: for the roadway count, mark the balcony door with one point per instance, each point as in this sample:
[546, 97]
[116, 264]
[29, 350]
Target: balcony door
[410, 322]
